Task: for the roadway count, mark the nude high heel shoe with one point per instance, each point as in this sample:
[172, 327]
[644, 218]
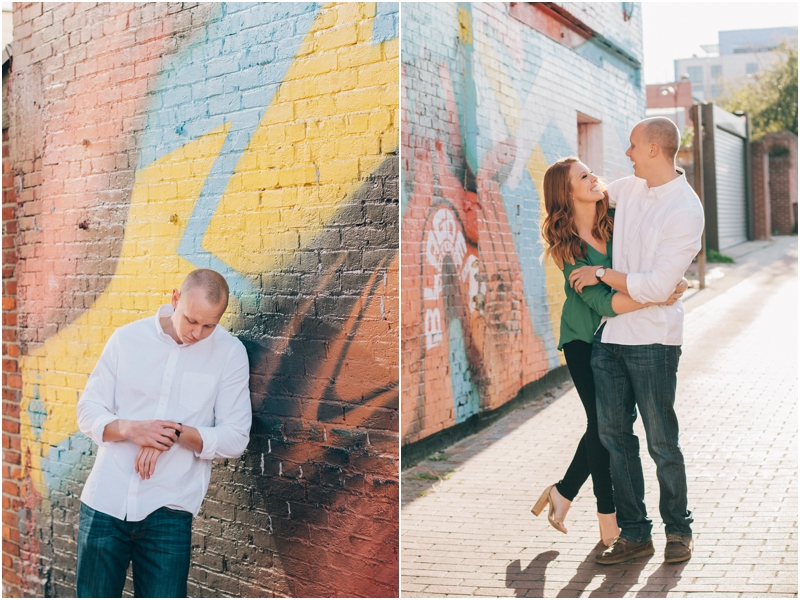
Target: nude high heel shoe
[609, 530]
[547, 497]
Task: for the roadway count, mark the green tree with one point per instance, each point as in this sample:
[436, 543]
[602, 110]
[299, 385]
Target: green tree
[770, 97]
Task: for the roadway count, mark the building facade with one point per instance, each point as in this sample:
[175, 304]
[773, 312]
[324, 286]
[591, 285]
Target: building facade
[738, 54]
[492, 93]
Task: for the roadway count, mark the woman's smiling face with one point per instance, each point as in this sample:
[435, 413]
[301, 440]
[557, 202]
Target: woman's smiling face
[583, 183]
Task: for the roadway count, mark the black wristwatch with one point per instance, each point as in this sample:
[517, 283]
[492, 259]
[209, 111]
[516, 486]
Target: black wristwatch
[178, 433]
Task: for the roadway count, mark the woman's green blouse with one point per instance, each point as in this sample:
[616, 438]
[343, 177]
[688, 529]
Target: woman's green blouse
[582, 312]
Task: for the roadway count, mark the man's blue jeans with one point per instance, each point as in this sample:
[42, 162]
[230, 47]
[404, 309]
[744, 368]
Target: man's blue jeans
[643, 377]
[160, 547]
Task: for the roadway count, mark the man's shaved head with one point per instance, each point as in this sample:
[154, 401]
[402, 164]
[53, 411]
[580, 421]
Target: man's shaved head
[214, 287]
[662, 131]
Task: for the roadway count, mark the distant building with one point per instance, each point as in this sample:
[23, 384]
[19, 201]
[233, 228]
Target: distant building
[671, 100]
[737, 55]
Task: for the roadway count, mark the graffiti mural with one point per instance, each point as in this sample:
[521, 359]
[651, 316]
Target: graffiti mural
[267, 151]
[489, 100]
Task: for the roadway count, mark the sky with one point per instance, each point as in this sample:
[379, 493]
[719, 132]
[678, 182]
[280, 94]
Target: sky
[677, 29]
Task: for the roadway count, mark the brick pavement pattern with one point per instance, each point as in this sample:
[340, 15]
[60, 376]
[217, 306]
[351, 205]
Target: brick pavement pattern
[466, 526]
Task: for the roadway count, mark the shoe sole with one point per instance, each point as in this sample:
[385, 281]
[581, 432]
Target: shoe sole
[619, 559]
[678, 559]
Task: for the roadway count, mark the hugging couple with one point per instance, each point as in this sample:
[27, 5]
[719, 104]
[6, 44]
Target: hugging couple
[621, 333]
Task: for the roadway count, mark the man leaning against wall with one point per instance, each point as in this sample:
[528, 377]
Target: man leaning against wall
[168, 395]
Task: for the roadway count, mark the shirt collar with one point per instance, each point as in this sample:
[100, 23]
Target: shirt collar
[663, 190]
[165, 310]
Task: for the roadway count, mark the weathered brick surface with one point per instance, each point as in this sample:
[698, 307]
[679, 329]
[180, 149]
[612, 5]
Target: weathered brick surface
[12, 382]
[491, 95]
[782, 149]
[256, 139]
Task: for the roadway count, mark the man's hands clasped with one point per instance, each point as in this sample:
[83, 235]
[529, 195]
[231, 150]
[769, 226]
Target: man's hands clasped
[154, 437]
[157, 434]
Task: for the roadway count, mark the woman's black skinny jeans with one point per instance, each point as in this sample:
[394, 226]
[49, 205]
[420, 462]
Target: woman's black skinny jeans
[591, 457]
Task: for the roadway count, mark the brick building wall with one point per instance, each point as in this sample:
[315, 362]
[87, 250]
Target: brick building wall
[782, 150]
[491, 94]
[762, 218]
[260, 140]
[13, 491]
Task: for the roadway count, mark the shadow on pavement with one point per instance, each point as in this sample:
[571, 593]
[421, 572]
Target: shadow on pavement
[530, 582]
[662, 580]
[617, 579]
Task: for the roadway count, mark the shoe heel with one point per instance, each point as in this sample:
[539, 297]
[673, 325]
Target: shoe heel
[543, 501]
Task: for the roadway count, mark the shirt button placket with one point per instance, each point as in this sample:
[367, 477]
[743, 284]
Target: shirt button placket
[166, 383]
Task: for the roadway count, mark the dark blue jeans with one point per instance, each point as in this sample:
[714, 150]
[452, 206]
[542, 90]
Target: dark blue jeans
[643, 377]
[160, 547]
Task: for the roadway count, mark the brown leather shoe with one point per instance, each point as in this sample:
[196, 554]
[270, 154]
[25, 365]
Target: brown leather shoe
[623, 550]
[679, 548]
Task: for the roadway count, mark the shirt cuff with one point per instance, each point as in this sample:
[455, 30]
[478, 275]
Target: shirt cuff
[634, 283]
[99, 426]
[209, 437]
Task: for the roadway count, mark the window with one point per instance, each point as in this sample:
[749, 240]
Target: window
[716, 71]
[716, 90]
[752, 68]
[695, 74]
[590, 142]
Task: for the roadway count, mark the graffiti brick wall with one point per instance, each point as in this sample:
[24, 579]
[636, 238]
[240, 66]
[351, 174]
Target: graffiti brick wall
[491, 94]
[259, 140]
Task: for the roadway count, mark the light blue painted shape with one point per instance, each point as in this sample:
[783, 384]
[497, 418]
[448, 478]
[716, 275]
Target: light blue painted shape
[64, 458]
[37, 413]
[466, 398]
[229, 74]
[596, 53]
[385, 24]
[468, 117]
[525, 201]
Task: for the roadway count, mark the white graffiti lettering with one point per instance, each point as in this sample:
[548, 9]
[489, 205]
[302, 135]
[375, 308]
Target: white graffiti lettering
[433, 327]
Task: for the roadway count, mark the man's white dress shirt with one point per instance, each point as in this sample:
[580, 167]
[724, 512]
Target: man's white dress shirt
[657, 233]
[144, 374]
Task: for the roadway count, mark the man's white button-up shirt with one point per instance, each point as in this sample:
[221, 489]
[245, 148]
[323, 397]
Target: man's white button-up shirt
[657, 233]
[144, 374]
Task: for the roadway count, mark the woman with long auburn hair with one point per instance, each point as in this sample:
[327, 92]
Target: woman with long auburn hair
[577, 231]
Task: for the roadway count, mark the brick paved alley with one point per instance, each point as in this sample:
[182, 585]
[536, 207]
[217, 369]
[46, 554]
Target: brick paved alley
[465, 520]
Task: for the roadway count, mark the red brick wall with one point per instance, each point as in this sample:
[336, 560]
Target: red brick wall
[783, 181]
[12, 386]
[761, 201]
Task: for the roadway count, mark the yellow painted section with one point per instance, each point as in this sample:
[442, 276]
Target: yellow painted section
[332, 122]
[554, 279]
[164, 195]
